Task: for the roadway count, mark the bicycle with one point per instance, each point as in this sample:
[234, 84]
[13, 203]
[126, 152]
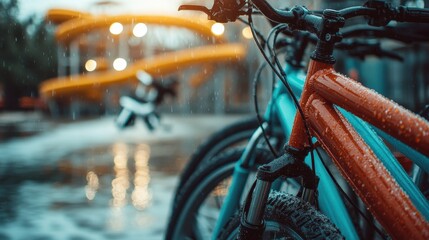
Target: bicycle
[238, 133]
[148, 95]
[221, 167]
[369, 131]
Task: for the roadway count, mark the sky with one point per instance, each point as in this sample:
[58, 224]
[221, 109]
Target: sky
[40, 7]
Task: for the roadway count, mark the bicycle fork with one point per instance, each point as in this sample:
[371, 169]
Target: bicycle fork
[290, 165]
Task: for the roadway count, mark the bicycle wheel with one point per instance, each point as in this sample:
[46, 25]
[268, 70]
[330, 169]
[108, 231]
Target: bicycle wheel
[288, 217]
[198, 206]
[230, 136]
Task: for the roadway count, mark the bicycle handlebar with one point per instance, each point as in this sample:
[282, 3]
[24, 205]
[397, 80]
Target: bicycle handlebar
[393, 33]
[361, 49]
[325, 26]
[379, 12]
[358, 48]
[362, 30]
[413, 15]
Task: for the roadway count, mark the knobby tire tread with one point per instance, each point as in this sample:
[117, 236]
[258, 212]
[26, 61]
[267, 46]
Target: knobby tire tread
[294, 213]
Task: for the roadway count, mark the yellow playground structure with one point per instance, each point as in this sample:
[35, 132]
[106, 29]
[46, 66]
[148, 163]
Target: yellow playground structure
[99, 52]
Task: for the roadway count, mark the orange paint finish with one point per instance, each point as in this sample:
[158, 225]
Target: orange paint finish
[373, 108]
[299, 138]
[365, 173]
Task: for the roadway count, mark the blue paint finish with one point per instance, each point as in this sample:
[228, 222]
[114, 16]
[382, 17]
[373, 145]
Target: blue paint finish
[331, 202]
[232, 200]
[421, 160]
[285, 113]
[390, 162]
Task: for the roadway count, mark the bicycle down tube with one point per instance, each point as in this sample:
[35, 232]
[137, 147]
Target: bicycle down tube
[356, 161]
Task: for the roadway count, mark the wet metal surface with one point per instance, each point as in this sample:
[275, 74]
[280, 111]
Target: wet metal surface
[373, 108]
[368, 177]
[89, 180]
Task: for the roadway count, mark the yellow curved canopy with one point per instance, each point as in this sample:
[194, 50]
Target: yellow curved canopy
[58, 16]
[74, 23]
[158, 65]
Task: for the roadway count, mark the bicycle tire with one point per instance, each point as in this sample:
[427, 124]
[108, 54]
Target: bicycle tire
[218, 142]
[197, 189]
[288, 217]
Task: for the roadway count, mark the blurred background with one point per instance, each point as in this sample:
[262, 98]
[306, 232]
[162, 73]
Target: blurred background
[68, 172]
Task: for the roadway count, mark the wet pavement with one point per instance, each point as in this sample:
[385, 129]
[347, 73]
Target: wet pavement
[89, 180]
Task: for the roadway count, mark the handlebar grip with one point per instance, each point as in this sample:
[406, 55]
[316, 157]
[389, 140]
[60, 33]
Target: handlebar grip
[408, 14]
[274, 14]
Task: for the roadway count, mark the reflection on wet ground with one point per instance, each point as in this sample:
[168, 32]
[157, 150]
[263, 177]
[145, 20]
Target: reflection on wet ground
[88, 180]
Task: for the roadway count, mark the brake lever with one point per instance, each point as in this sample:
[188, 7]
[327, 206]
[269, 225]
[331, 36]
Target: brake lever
[221, 11]
[195, 8]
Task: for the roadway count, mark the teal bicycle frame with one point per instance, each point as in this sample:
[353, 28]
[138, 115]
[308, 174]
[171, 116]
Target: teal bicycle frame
[281, 112]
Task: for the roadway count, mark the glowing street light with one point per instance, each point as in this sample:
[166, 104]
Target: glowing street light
[140, 29]
[247, 33]
[116, 28]
[90, 65]
[218, 29]
[119, 64]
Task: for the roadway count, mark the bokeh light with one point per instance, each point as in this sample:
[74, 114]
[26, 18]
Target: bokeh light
[90, 65]
[247, 33]
[92, 186]
[218, 29]
[119, 64]
[116, 28]
[120, 183]
[140, 29]
[141, 196]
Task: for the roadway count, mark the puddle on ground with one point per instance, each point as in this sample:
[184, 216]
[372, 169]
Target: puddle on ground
[89, 180]
[116, 191]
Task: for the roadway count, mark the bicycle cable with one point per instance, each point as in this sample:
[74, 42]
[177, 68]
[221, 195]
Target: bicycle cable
[255, 102]
[255, 97]
[379, 231]
[264, 42]
[279, 66]
[284, 81]
[276, 30]
[255, 82]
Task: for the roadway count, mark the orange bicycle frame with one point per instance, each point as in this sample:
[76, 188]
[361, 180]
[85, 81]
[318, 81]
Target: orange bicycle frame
[386, 200]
